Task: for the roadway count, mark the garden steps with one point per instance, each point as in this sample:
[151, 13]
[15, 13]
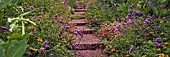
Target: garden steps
[90, 53]
[87, 45]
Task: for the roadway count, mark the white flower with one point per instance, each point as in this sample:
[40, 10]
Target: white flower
[9, 19]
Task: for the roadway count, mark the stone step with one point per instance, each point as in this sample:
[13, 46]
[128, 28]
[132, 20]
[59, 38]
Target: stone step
[78, 22]
[84, 29]
[79, 10]
[77, 16]
[90, 53]
[87, 42]
[78, 13]
[86, 39]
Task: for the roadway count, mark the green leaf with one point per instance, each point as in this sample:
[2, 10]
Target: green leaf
[146, 10]
[25, 13]
[17, 36]
[3, 3]
[1, 42]
[17, 49]
[1, 52]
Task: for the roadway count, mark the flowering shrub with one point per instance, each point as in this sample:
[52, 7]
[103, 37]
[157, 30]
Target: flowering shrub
[139, 28]
[48, 37]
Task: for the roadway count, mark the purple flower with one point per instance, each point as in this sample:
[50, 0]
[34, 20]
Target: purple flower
[66, 27]
[31, 7]
[156, 27]
[116, 31]
[151, 16]
[130, 21]
[133, 17]
[146, 21]
[45, 42]
[132, 6]
[138, 12]
[3, 28]
[137, 48]
[51, 54]
[158, 42]
[47, 47]
[85, 19]
[42, 50]
[140, 2]
[38, 19]
[128, 15]
[78, 32]
[117, 26]
[29, 52]
[163, 18]
[133, 13]
[66, 3]
[162, 6]
[144, 31]
[61, 21]
[131, 49]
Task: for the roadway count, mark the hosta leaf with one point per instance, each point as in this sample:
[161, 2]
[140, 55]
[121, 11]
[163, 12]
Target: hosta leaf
[3, 3]
[1, 52]
[1, 41]
[17, 49]
[17, 36]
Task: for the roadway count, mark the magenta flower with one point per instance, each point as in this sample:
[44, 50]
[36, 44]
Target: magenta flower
[137, 48]
[31, 7]
[45, 42]
[78, 32]
[3, 28]
[51, 54]
[130, 21]
[156, 27]
[66, 27]
[131, 49]
[61, 21]
[158, 42]
[146, 21]
[138, 12]
[117, 26]
[47, 47]
[140, 2]
[132, 6]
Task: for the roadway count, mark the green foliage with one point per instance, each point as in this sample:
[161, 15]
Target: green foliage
[3, 3]
[14, 48]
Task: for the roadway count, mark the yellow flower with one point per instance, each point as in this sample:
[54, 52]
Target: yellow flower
[166, 43]
[144, 56]
[127, 55]
[161, 55]
[113, 49]
[34, 49]
[39, 39]
[65, 40]
[62, 2]
[151, 32]
[158, 49]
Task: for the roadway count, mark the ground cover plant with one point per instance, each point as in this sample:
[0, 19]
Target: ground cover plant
[132, 28]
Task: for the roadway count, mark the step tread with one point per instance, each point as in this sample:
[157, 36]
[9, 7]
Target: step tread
[77, 21]
[79, 10]
[90, 53]
[78, 13]
[83, 28]
[86, 39]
